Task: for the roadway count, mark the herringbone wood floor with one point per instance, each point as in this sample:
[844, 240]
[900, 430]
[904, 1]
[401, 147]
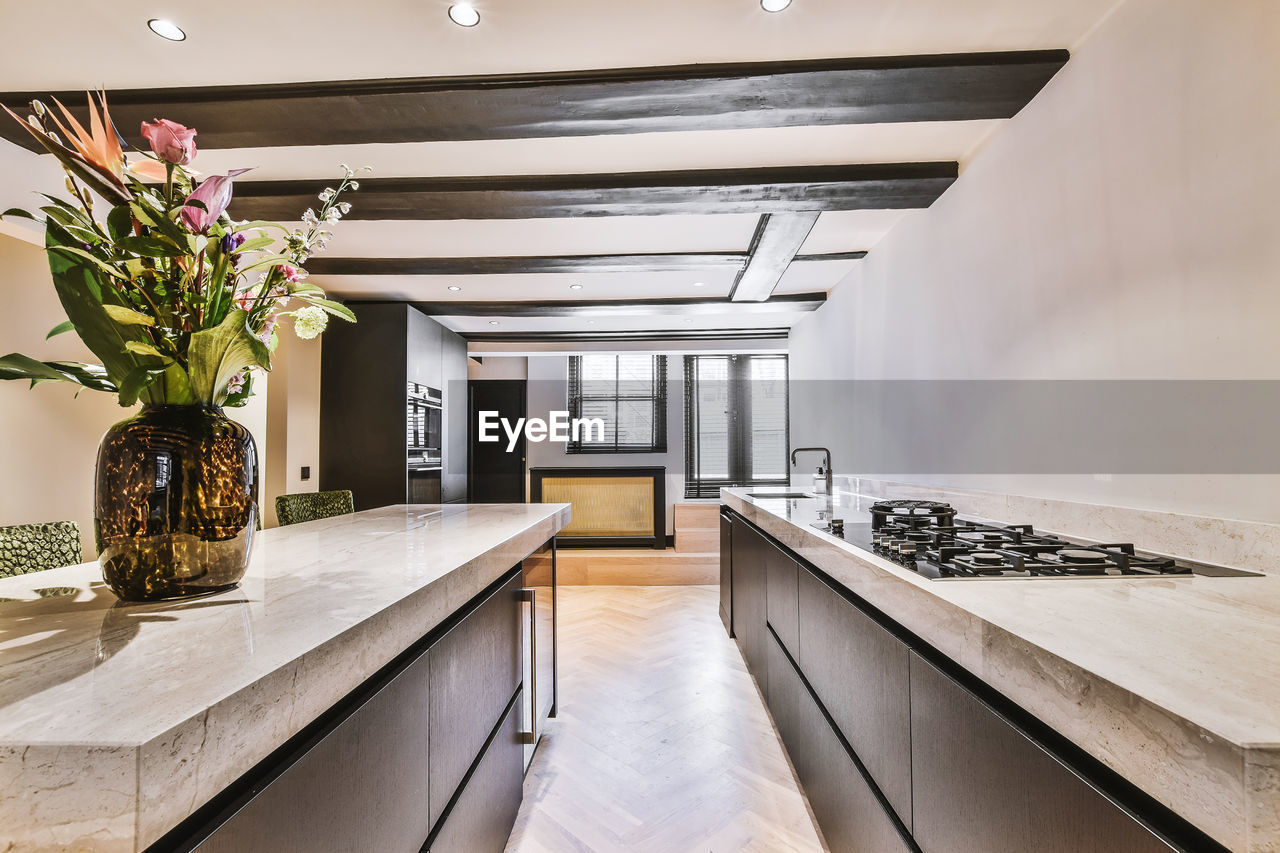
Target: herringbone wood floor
[662, 743]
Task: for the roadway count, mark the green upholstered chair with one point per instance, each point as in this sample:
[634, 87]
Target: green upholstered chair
[310, 506]
[28, 548]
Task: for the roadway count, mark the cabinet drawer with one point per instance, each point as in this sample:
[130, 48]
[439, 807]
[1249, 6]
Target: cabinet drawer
[980, 784]
[363, 787]
[475, 668]
[861, 673]
[849, 814]
[481, 819]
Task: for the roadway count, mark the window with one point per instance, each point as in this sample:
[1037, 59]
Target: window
[735, 422]
[628, 393]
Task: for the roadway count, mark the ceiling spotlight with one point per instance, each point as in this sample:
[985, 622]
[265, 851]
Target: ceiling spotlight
[493, 322]
[699, 283]
[575, 287]
[454, 288]
[166, 29]
[465, 15]
[774, 5]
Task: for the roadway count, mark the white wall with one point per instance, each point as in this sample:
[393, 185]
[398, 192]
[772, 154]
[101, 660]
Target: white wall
[1123, 226]
[49, 437]
[548, 391]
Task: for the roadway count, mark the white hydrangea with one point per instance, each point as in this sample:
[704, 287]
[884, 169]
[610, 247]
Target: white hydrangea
[309, 321]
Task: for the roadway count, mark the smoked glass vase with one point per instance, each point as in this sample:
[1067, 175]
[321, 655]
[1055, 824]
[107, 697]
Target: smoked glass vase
[176, 503]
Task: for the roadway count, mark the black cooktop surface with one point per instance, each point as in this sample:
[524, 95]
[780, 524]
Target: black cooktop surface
[928, 537]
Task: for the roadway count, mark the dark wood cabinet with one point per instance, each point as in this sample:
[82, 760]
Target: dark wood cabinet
[726, 571]
[862, 674]
[980, 784]
[361, 787]
[847, 810]
[750, 602]
[431, 748]
[475, 670]
[481, 818]
[782, 597]
[365, 371]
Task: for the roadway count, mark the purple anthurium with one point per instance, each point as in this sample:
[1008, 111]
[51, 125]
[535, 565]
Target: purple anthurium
[215, 194]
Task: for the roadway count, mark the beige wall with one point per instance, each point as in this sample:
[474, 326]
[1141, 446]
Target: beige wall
[1123, 226]
[49, 437]
[293, 420]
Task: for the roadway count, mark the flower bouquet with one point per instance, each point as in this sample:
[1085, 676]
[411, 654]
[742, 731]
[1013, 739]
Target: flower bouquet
[182, 306]
[178, 301]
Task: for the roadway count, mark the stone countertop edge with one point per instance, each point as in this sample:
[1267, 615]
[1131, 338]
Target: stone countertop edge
[1224, 781]
[123, 796]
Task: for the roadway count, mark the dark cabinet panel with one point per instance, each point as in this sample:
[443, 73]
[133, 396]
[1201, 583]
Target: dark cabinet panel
[482, 817]
[726, 571]
[980, 784]
[475, 669]
[750, 597]
[847, 810]
[862, 675]
[781, 599]
[363, 787]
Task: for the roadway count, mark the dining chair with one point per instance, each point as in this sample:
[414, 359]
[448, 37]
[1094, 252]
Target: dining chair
[26, 548]
[311, 506]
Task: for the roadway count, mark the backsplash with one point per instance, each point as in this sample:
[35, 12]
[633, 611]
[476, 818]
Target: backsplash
[1248, 545]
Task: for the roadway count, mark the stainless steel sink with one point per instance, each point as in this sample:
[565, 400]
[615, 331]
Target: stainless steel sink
[779, 496]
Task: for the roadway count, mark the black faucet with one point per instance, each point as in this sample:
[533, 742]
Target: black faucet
[822, 450]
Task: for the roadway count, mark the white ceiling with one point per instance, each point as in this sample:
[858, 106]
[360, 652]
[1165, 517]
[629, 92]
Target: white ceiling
[288, 41]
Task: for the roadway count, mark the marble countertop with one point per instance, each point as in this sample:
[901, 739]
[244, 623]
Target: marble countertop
[118, 720]
[1172, 682]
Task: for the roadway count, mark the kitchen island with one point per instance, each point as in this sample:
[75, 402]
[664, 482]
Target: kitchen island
[996, 713]
[213, 722]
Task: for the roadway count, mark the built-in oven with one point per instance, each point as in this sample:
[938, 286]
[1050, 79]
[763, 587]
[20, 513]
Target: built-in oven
[424, 416]
[425, 420]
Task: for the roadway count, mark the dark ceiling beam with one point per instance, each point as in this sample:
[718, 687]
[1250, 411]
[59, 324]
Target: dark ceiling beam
[645, 335]
[621, 307]
[526, 264]
[946, 87]
[775, 189]
[778, 238]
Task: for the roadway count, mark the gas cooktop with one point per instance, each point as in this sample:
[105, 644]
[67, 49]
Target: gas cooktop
[927, 536]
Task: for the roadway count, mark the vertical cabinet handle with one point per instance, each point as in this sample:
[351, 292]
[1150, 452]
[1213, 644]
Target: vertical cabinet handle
[530, 595]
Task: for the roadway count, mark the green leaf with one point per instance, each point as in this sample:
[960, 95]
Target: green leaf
[138, 380]
[88, 256]
[83, 293]
[265, 261]
[337, 309]
[142, 348]
[151, 247]
[64, 326]
[18, 366]
[120, 222]
[254, 244]
[19, 212]
[215, 355]
[127, 316]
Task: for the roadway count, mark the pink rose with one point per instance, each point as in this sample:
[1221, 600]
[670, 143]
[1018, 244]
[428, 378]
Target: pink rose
[170, 141]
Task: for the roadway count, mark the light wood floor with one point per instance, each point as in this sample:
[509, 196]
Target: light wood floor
[662, 743]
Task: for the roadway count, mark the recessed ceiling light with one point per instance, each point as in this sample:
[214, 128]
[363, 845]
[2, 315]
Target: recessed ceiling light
[493, 322]
[166, 29]
[465, 15]
[774, 5]
[454, 288]
[699, 283]
[591, 322]
[575, 287]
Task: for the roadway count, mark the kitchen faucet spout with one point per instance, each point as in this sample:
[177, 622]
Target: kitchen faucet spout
[826, 453]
